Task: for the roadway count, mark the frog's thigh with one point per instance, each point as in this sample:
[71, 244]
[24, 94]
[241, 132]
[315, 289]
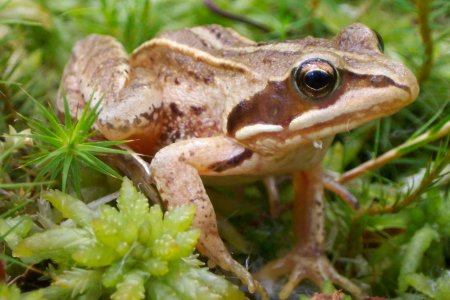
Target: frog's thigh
[98, 69]
[176, 170]
[70, 91]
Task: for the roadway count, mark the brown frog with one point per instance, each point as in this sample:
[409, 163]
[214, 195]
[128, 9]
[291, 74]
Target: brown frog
[206, 102]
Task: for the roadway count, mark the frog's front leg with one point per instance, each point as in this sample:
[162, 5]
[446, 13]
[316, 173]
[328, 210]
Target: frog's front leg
[176, 170]
[307, 260]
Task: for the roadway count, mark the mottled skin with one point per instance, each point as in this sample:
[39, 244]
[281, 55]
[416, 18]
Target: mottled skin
[208, 102]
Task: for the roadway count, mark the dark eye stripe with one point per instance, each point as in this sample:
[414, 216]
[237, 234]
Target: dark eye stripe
[376, 81]
[278, 103]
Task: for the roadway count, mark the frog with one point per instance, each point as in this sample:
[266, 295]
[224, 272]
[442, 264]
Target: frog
[207, 105]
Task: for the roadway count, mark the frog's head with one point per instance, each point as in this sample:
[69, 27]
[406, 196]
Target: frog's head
[329, 86]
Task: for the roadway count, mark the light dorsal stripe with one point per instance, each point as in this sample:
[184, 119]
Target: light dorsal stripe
[192, 52]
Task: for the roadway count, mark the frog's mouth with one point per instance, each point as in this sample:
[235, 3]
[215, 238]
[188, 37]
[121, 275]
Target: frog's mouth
[353, 109]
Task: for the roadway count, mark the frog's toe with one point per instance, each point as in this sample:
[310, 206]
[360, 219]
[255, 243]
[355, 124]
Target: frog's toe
[252, 284]
[244, 275]
[315, 268]
[261, 290]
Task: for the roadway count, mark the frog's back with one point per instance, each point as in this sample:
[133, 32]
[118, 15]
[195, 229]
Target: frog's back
[165, 91]
[188, 90]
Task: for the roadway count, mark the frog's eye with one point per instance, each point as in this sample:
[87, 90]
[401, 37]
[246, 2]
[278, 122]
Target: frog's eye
[380, 41]
[315, 78]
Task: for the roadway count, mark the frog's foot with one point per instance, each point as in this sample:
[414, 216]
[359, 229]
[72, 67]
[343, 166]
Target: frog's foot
[315, 268]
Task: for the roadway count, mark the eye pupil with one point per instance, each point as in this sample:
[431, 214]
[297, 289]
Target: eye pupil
[317, 79]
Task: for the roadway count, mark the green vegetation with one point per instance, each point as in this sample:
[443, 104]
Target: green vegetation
[62, 148]
[127, 253]
[396, 245]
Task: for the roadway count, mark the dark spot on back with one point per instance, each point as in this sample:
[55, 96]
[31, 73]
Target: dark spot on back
[136, 121]
[208, 78]
[197, 110]
[175, 110]
[194, 75]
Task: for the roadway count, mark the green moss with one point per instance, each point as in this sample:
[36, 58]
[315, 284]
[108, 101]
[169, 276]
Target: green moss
[11, 292]
[127, 253]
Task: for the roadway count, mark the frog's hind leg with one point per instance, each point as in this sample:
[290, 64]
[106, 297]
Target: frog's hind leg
[70, 92]
[97, 70]
[176, 170]
[307, 259]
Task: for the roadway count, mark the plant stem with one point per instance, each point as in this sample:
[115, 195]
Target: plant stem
[427, 137]
[8, 108]
[423, 10]
[226, 14]
[424, 184]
